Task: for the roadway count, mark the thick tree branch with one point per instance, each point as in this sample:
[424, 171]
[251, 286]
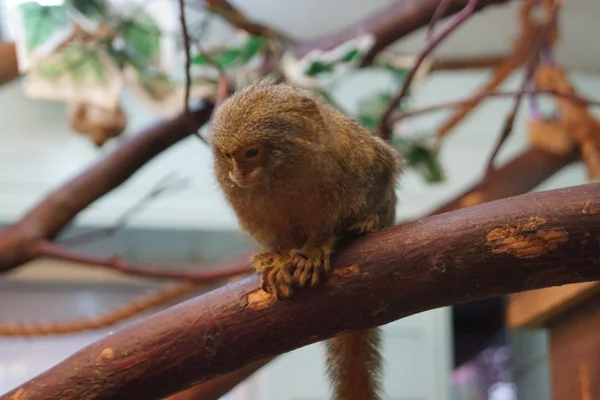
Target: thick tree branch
[521, 243]
[220, 386]
[53, 213]
[389, 24]
[520, 175]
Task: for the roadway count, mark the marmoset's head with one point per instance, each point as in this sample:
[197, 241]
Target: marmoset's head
[260, 129]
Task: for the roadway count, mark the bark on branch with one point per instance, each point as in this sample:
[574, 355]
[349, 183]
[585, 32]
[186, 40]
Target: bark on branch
[521, 243]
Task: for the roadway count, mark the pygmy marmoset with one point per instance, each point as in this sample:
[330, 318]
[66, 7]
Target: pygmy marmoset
[301, 176]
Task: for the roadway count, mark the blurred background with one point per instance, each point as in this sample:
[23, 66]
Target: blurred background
[465, 352]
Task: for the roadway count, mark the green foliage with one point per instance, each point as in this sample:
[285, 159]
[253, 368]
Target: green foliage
[142, 36]
[40, 22]
[157, 86]
[93, 9]
[78, 62]
[351, 55]
[318, 67]
[421, 155]
[232, 57]
[398, 73]
[372, 107]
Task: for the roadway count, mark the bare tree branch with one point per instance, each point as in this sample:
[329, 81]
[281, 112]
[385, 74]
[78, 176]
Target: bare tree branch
[384, 125]
[520, 175]
[483, 62]
[529, 74]
[225, 270]
[167, 184]
[186, 46]
[56, 211]
[521, 243]
[488, 95]
[441, 10]
[388, 25]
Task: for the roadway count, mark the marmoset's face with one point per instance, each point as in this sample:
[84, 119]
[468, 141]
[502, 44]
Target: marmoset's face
[245, 165]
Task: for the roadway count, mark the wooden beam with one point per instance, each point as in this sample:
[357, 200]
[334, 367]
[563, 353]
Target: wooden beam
[535, 308]
[574, 349]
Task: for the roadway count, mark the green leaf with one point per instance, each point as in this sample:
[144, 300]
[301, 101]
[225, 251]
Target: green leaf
[233, 56]
[40, 22]
[156, 86]
[90, 65]
[398, 73]
[50, 70]
[227, 57]
[421, 156]
[77, 62]
[351, 55]
[318, 67]
[372, 107]
[143, 36]
[93, 9]
[253, 45]
[198, 59]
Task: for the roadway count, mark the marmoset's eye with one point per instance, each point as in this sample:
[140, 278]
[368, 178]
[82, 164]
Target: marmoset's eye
[251, 153]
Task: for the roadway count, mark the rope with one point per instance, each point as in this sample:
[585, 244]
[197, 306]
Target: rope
[136, 306]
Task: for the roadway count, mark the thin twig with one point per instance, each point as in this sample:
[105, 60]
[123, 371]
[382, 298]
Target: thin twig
[439, 12]
[225, 270]
[168, 183]
[529, 74]
[222, 90]
[186, 44]
[455, 22]
[484, 96]
[483, 62]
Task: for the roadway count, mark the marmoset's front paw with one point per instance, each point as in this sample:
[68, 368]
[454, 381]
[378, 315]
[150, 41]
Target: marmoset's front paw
[367, 225]
[275, 273]
[311, 265]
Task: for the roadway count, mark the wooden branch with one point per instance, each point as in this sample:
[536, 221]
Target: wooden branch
[521, 243]
[224, 270]
[53, 213]
[218, 387]
[495, 94]
[520, 175]
[384, 126]
[482, 62]
[186, 44]
[389, 24]
[531, 67]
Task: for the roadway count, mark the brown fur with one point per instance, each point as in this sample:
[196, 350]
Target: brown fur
[301, 176]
